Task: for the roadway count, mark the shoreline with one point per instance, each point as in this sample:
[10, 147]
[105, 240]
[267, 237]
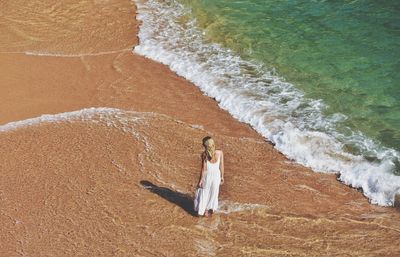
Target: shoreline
[274, 108]
[77, 168]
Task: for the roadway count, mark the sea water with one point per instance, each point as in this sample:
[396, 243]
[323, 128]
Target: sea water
[319, 79]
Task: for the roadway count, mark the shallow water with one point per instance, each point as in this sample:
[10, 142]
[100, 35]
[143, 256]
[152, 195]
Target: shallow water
[103, 181]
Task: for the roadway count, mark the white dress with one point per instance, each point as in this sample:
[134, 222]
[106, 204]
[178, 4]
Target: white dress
[206, 198]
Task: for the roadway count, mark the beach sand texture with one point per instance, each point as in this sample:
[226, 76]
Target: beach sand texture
[110, 171]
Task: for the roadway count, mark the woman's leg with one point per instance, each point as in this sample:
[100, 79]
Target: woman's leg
[214, 192]
[204, 197]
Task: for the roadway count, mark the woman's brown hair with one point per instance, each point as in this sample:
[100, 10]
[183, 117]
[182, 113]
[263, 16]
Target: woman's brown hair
[209, 146]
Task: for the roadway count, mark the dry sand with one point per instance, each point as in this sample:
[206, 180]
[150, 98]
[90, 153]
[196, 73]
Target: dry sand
[118, 182]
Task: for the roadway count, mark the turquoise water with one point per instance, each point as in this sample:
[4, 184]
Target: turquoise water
[317, 79]
[346, 53]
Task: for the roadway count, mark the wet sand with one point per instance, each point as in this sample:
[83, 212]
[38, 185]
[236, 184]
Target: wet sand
[118, 182]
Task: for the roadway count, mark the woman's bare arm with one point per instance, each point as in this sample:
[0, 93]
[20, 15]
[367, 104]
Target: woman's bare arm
[202, 171]
[221, 167]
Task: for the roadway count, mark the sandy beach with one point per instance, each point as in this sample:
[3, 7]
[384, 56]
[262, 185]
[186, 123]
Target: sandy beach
[111, 169]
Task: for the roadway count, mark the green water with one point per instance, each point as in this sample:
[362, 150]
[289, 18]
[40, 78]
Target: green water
[346, 53]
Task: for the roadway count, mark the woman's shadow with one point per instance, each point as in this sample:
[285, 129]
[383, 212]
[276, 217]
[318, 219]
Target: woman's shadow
[184, 201]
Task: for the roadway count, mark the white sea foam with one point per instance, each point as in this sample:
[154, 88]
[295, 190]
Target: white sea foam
[227, 207]
[275, 108]
[109, 116]
[49, 54]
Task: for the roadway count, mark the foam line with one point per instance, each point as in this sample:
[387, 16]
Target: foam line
[33, 53]
[107, 115]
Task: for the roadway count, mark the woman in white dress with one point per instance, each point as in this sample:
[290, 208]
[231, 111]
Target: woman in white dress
[211, 177]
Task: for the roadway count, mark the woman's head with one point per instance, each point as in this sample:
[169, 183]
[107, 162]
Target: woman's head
[209, 147]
